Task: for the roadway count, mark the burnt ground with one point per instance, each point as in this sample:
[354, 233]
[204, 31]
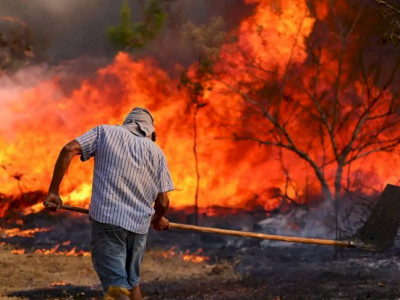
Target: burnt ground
[238, 268]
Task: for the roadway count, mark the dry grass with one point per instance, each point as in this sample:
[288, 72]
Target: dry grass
[33, 271]
[25, 272]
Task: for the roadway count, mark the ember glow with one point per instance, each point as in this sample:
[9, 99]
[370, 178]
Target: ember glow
[167, 254]
[42, 118]
[55, 284]
[195, 257]
[18, 251]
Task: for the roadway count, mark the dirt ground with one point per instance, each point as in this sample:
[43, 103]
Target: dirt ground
[237, 268]
[38, 276]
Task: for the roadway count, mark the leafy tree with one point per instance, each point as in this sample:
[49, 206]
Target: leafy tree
[128, 35]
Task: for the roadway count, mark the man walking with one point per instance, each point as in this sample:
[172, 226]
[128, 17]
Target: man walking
[130, 175]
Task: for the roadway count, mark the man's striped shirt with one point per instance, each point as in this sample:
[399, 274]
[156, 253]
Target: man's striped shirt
[129, 172]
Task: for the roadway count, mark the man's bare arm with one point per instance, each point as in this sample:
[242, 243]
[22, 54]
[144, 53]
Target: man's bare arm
[67, 153]
[160, 206]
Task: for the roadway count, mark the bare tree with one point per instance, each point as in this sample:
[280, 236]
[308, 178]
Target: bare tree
[338, 107]
[206, 42]
[17, 46]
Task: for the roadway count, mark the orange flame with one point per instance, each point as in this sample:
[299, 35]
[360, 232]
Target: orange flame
[56, 251]
[23, 233]
[196, 257]
[37, 121]
[167, 254]
[42, 116]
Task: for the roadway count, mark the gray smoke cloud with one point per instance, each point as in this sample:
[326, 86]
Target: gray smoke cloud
[69, 37]
[75, 28]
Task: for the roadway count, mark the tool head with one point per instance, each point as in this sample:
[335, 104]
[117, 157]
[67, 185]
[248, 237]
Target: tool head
[380, 230]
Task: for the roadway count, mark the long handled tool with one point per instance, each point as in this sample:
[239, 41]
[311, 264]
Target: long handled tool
[239, 233]
[377, 234]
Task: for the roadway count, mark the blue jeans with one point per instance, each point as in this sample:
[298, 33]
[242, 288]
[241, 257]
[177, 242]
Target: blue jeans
[116, 254]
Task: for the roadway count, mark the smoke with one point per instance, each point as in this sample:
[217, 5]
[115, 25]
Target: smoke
[77, 28]
[71, 28]
[70, 42]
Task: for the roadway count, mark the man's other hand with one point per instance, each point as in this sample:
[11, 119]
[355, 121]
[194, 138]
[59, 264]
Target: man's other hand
[160, 223]
[53, 201]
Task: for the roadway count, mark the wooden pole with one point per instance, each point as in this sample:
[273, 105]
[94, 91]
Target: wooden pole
[261, 235]
[75, 209]
[240, 233]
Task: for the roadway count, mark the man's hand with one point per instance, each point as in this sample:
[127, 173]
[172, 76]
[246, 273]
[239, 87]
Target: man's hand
[160, 223]
[53, 201]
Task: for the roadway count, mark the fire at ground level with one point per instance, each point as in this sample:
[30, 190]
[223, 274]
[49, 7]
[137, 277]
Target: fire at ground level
[47, 258]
